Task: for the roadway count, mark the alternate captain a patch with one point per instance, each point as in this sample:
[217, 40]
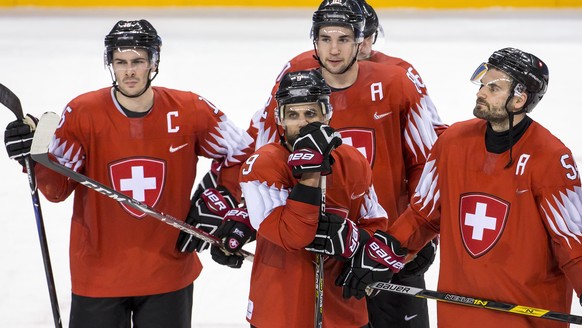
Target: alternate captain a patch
[482, 220]
[140, 178]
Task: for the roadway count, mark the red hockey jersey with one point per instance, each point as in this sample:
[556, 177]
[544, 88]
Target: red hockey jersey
[386, 118]
[282, 291]
[306, 60]
[116, 250]
[512, 235]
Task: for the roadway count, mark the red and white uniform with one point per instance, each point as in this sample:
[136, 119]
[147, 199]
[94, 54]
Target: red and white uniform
[282, 291]
[116, 250]
[306, 60]
[513, 235]
[386, 118]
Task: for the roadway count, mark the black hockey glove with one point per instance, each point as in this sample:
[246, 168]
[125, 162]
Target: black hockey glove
[206, 213]
[18, 138]
[378, 260]
[235, 231]
[336, 236]
[424, 258]
[312, 149]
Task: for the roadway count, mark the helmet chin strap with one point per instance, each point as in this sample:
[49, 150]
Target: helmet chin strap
[511, 116]
[116, 86]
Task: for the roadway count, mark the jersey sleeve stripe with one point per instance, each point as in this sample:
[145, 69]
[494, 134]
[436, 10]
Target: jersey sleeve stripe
[565, 217]
[371, 208]
[261, 199]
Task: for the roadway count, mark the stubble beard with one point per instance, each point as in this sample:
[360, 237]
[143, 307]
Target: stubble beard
[490, 113]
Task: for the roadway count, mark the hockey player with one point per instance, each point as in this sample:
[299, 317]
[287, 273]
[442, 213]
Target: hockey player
[385, 310]
[280, 183]
[381, 108]
[308, 60]
[505, 196]
[144, 141]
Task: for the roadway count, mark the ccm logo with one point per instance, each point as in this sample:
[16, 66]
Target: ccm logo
[300, 156]
[385, 257]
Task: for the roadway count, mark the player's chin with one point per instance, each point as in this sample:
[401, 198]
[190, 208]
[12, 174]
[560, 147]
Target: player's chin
[131, 90]
[480, 109]
[335, 67]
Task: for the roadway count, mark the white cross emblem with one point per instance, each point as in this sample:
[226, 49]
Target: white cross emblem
[480, 221]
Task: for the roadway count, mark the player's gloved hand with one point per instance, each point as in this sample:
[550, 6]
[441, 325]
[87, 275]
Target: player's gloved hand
[378, 260]
[337, 236]
[424, 258]
[205, 213]
[18, 138]
[235, 231]
[312, 149]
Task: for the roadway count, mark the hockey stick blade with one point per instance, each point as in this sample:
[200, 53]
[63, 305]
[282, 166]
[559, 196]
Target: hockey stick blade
[11, 101]
[476, 302]
[39, 152]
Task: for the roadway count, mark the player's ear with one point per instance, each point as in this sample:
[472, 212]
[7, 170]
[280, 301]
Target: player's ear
[519, 100]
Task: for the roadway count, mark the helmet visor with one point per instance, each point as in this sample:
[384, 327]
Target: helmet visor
[497, 83]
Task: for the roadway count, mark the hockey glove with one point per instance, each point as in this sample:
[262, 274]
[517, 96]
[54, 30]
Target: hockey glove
[312, 149]
[18, 138]
[336, 236]
[235, 231]
[378, 260]
[422, 261]
[206, 213]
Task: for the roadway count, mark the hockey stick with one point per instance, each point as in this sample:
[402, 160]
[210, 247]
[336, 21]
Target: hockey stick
[318, 319]
[39, 152]
[11, 101]
[477, 302]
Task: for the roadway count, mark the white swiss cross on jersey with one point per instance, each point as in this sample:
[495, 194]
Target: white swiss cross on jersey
[362, 139]
[139, 178]
[482, 219]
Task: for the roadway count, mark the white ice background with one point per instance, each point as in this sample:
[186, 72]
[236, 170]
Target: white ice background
[231, 57]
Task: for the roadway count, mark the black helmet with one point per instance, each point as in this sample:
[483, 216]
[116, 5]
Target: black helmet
[303, 87]
[372, 22]
[133, 34]
[525, 69]
[346, 13]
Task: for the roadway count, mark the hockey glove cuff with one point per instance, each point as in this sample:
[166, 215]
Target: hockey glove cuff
[236, 230]
[336, 236]
[378, 260]
[206, 213]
